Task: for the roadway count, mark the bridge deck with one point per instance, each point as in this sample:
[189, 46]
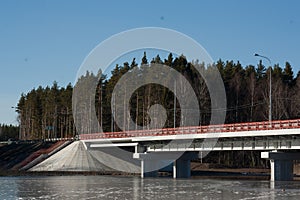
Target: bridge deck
[222, 128]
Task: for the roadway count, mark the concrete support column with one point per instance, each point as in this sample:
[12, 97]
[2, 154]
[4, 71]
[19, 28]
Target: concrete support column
[151, 163]
[281, 164]
[174, 169]
[281, 170]
[146, 166]
[182, 166]
[183, 169]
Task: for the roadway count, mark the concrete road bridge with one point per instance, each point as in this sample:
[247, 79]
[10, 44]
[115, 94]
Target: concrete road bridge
[279, 142]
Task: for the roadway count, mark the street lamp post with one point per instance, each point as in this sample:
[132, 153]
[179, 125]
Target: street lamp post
[270, 85]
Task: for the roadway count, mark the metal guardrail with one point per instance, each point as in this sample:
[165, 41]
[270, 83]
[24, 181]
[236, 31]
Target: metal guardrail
[237, 127]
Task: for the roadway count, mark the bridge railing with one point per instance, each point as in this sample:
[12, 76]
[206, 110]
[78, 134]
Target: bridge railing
[237, 127]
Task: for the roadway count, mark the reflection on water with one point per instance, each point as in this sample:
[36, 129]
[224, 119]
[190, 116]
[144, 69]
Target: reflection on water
[108, 187]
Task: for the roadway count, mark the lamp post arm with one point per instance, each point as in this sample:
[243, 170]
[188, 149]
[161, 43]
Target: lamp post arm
[270, 86]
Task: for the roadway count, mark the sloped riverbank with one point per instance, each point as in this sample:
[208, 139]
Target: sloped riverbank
[21, 155]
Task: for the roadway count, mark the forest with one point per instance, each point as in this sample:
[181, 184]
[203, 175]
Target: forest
[8, 132]
[46, 112]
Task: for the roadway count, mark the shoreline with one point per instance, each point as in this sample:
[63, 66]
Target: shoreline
[194, 174]
[225, 173]
[63, 173]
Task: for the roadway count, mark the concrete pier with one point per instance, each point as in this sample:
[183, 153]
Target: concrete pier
[147, 167]
[281, 170]
[281, 164]
[182, 168]
[151, 163]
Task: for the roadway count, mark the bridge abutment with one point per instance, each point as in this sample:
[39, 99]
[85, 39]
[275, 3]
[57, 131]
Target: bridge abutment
[281, 164]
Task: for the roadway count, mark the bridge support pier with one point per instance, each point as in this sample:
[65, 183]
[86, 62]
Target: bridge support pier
[281, 170]
[147, 167]
[152, 162]
[181, 168]
[281, 164]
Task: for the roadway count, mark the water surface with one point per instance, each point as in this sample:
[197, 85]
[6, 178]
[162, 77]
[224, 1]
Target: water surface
[112, 187]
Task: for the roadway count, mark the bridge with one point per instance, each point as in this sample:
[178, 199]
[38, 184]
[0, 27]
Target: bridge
[278, 140]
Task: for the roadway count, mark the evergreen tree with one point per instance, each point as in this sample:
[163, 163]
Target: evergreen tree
[288, 75]
[144, 59]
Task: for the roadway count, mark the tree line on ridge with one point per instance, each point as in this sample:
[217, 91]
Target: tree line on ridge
[46, 112]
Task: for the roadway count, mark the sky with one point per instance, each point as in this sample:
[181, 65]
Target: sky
[42, 41]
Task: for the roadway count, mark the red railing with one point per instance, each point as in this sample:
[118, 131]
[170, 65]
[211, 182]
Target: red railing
[249, 126]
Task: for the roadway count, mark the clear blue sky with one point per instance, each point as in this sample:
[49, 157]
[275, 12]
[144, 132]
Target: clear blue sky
[42, 41]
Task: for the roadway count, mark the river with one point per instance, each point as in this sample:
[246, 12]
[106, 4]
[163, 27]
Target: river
[115, 187]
